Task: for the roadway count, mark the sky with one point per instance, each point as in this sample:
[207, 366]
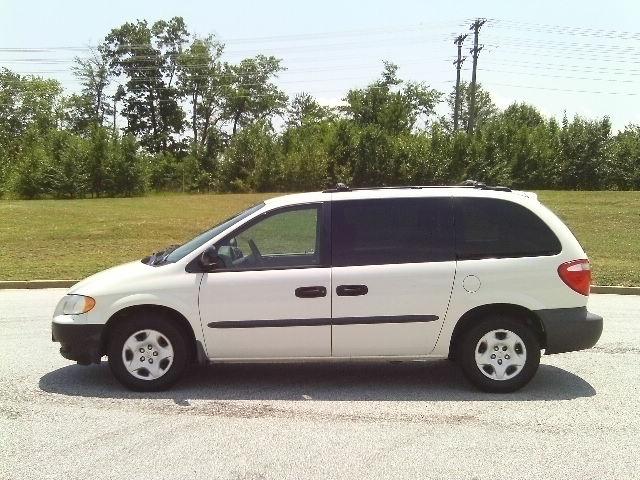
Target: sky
[578, 57]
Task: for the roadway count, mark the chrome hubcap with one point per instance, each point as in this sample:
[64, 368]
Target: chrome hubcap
[147, 354]
[500, 354]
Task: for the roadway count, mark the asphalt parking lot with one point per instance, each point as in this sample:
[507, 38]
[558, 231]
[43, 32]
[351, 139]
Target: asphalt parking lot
[579, 418]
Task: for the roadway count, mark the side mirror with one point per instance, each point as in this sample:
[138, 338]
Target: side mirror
[210, 260]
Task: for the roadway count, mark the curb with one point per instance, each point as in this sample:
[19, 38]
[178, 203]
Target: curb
[37, 284]
[614, 289]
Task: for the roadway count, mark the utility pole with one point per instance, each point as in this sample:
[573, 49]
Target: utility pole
[458, 63]
[475, 26]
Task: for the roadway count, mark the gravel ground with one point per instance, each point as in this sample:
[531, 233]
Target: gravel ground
[577, 419]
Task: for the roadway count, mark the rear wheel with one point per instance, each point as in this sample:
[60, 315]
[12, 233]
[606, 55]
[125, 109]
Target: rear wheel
[499, 354]
[148, 352]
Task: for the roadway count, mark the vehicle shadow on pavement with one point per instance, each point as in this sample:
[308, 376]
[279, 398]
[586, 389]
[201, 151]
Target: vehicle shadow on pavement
[348, 381]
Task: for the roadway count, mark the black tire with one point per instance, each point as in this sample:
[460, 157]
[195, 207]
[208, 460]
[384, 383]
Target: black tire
[466, 354]
[161, 323]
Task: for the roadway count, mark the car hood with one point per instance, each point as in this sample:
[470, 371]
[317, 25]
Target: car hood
[110, 280]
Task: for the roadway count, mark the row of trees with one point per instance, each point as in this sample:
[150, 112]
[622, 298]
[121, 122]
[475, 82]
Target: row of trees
[161, 110]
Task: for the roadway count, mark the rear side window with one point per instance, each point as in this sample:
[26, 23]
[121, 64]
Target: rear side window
[388, 231]
[492, 228]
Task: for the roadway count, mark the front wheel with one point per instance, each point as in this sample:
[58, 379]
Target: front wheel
[148, 352]
[499, 355]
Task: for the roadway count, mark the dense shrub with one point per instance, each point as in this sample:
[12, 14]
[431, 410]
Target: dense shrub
[124, 173]
[517, 147]
[252, 162]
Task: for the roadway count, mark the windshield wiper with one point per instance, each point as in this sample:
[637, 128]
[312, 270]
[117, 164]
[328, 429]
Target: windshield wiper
[160, 256]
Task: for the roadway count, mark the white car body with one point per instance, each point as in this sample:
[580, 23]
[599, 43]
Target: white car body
[438, 294]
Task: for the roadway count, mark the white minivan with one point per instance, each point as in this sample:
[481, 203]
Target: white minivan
[485, 276]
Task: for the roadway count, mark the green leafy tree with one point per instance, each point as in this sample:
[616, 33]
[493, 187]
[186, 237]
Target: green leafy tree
[29, 111]
[78, 113]
[94, 75]
[624, 164]
[391, 103]
[252, 161]
[125, 175]
[33, 172]
[97, 161]
[164, 172]
[201, 80]
[193, 177]
[375, 117]
[485, 108]
[421, 161]
[66, 146]
[249, 92]
[583, 146]
[148, 58]
[69, 154]
[304, 109]
[27, 103]
[306, 157]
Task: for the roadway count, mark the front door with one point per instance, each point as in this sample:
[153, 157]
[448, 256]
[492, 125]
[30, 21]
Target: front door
[393, 270]
[273, 298]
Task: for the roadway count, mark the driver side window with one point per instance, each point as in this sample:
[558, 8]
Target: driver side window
[285, 239]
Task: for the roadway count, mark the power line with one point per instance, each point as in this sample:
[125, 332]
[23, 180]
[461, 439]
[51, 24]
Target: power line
[365, 32]
[337, 34]
[288, 71]
[564, 53]
[394, 36]
[565, 77]
[564, 29]
[370, 44]
[566, 90]
[538, 66]
[553, 43]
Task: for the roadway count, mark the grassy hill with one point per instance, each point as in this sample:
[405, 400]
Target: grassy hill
[70, 239]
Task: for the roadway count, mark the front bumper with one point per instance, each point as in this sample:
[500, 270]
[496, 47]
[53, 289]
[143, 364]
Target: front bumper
[79, 342]
[570, 329]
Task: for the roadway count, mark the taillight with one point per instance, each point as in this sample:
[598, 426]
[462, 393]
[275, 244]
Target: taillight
[577, 275]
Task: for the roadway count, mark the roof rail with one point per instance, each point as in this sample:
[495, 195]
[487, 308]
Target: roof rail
[472, 183]
[341, 187]
[483, 186]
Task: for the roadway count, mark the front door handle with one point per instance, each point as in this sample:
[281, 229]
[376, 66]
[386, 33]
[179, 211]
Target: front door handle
[351, 290]
[311, 292]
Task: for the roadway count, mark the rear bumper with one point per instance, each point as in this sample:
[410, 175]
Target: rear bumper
[78, 342]
[570, 329]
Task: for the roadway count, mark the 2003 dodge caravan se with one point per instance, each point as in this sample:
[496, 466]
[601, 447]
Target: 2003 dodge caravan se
[483, 275]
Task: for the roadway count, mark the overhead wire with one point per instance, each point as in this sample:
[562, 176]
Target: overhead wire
[552, 48]
[563, 29]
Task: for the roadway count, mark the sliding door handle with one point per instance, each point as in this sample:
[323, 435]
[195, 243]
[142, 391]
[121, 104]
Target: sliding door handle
[351, 290]
[311, 292]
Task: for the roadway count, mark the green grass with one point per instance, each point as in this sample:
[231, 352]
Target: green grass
[287, 233]
[70, 239]
[607, 224]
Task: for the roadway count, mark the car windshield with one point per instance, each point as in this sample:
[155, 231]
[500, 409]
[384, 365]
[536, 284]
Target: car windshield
[204, 237]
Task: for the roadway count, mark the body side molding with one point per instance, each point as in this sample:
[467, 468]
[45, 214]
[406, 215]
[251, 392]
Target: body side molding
[312, 322]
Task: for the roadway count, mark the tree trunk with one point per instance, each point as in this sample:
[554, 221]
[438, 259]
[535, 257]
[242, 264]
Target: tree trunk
[236, 119]
[194, 118]
[154, 123]
[205, 127]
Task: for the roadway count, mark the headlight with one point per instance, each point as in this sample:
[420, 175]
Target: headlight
[77, 304]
